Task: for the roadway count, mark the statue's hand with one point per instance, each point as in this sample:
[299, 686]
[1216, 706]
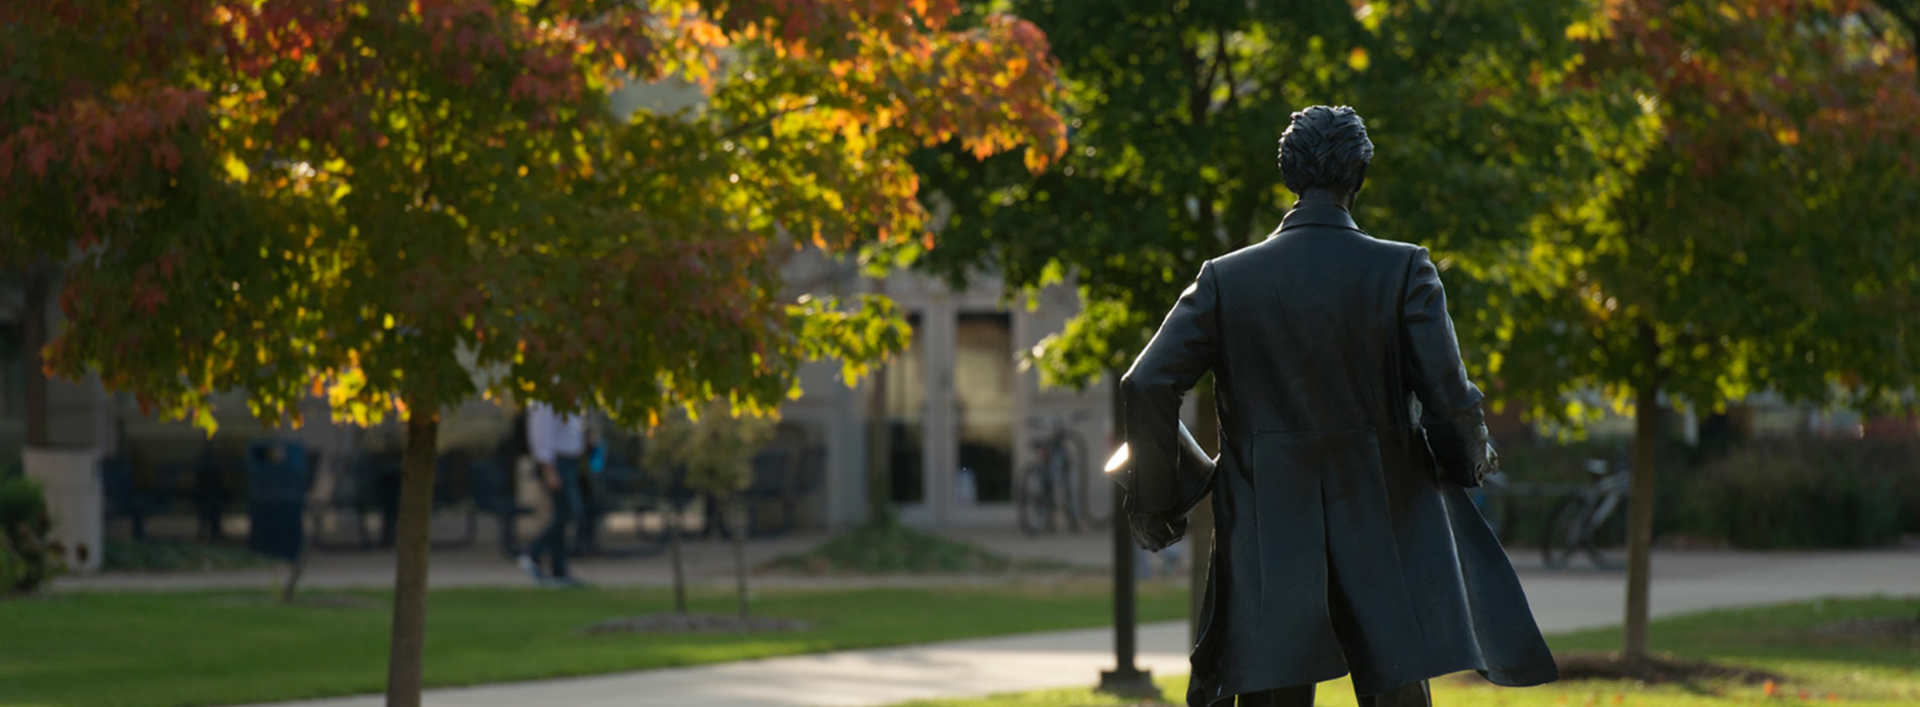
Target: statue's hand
[1154, 533]
[1461, 446]
[1489, 467]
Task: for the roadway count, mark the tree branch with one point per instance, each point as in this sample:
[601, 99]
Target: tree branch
[1226, 61]
[425, 199]
[737, 130]
[1908, 17]
[1197, 99]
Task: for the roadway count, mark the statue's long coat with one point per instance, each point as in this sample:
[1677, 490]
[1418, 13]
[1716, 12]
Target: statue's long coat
[1343, 539]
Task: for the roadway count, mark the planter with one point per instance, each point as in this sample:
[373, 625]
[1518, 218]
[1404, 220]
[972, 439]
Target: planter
[75, 501]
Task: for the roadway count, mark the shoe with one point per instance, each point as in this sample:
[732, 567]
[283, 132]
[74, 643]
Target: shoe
[563, 583]
[532, 569]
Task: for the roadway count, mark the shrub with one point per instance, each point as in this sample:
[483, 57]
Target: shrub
[27, 558]
[1764, 494]
[1775, 494]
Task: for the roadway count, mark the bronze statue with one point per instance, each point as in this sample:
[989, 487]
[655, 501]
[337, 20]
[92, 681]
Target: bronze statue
[1344, 541]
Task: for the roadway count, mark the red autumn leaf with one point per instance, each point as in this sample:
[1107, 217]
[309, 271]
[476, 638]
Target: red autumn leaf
[99, 204]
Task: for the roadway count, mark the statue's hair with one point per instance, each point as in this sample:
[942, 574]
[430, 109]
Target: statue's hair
[1325, 148]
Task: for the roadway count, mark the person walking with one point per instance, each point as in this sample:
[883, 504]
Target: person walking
[556, 442]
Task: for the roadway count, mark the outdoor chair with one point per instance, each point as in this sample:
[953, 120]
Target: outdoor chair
[126, 499]
[355, 493]
[453, 491]
[623, 487]
[218, 480]
[372, 484]
[775, 482]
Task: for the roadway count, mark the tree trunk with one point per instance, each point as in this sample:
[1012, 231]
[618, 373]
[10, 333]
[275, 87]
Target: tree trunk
[33, 320]
[740, 561]
[679, 569]
[1206, 431]
[1646, 445]
[406, 661]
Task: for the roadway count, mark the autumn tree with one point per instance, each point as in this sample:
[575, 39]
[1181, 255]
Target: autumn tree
[1175, 117]
[100, 141]
[415, 183]
[1738, 215]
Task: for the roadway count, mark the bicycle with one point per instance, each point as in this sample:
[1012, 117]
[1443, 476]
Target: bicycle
[1589, 520]
[1054, 483]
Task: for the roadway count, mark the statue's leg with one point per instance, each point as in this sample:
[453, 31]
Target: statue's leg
[1409, 695]
[1296, 696]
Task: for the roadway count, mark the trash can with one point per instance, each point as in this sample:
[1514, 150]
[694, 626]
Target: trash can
[277, 482]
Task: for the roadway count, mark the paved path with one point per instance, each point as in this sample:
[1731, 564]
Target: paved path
[707, 562]
[1562, 600]
[869, 677]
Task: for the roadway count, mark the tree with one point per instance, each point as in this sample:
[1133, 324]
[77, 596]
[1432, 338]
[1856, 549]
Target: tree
[715, 451]
[417, 183]
[1174, 118]
[1737, 215]
[97, 143]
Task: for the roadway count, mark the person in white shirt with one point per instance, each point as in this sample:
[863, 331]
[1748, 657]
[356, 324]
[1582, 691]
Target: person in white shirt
[556, 443]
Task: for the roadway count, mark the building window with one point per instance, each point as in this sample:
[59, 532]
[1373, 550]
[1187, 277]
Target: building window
[13, 370]
[906, 419]
[983, 381]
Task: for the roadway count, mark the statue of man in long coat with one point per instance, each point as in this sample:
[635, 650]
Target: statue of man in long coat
[1344, 541]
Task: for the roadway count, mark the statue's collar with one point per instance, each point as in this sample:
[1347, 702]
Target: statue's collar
[1318, 213]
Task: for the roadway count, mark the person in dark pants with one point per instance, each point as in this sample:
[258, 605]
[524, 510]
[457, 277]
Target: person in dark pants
[557, 442]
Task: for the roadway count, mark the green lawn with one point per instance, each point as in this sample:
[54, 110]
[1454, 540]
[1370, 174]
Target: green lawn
[197, 648]
[1827, 669]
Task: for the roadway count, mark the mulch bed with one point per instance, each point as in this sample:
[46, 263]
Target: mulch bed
[1655, 670]
[696, 623]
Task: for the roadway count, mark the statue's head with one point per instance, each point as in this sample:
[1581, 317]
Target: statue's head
[1325, 150]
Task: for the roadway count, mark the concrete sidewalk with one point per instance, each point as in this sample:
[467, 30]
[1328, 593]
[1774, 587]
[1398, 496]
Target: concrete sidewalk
[1562, 600]
[707, 562]
[867, 677]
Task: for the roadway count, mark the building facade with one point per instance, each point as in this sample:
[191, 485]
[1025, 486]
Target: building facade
[956, 414]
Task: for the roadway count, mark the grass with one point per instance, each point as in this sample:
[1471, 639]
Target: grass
[196, 648]
[893, 548]
[1819, 667]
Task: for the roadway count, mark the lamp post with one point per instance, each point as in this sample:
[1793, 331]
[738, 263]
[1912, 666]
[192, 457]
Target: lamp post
[1126, 679]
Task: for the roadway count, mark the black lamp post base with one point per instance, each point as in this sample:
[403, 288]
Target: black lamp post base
[1129, 682]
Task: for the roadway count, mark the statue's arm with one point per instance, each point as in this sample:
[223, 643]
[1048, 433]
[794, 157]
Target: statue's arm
[1165, 473]
[1451, 414]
